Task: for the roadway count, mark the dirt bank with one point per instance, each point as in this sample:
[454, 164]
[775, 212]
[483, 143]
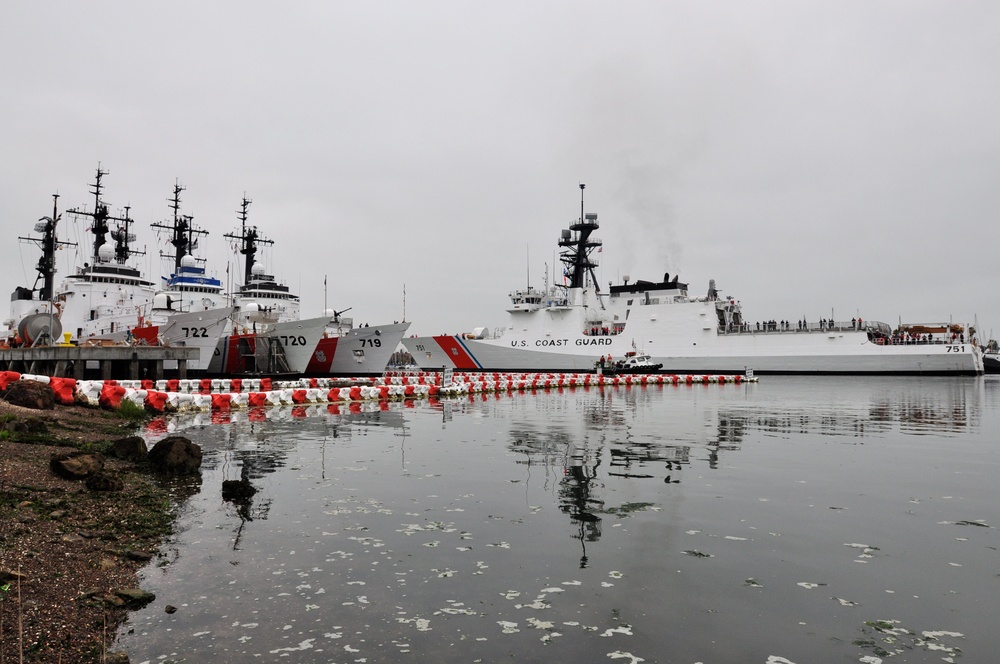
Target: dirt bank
[68, 555]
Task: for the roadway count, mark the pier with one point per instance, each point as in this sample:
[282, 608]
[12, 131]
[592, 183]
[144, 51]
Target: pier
[113, 362]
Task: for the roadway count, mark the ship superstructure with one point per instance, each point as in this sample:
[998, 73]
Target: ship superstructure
[109, 292]
[188, 287]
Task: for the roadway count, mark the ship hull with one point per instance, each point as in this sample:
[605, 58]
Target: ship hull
[199, 329]
[196, 329]
[362, 351]
[991, 363]
[843, 351]
[298, 339]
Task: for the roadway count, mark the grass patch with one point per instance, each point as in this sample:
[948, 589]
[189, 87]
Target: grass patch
[132, 412]
[102, 447]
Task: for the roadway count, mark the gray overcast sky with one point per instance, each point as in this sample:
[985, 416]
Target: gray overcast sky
[808, 156]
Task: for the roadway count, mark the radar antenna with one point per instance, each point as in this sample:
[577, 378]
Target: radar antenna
[49, 242]
[99, 224]
[181, 228]
[577, 248]
[249, 240]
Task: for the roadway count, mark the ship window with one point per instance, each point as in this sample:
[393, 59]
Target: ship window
[629, 303]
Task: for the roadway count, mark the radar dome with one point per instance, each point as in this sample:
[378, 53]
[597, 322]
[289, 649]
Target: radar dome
[257, 269]
[161, 301]
[255, 313]
[105, 253]
[187, 260]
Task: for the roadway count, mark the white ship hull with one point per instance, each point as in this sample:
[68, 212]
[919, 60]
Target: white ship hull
[777, 353]
[360, 351]
[236, 354]
[196, 329]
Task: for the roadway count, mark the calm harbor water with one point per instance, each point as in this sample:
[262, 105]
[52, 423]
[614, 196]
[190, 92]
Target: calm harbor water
[795, 520]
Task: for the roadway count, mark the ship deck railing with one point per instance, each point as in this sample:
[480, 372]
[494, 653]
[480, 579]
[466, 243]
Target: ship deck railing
[877, 330]
[895, 341]
[789, 326]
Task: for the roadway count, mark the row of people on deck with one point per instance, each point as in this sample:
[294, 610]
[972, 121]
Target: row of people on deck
[603, 331]
[784, 325]
[908, 338]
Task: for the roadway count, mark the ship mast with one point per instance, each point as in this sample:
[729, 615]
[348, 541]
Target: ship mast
[182, 230]
[99, 224]
[249, 239]
[99, 217]
[577, 246]
[49, 243]
[122, 238]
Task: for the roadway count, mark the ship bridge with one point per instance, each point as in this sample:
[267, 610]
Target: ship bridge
[531, 299]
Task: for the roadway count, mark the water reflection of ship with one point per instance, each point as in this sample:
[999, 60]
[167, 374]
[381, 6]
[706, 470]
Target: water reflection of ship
[577, 499]
[578, 485]
[345, 416]
[630, 458]
[242, 494]
[609, 435]
[613, 435]
[242, 488]
[917, 411]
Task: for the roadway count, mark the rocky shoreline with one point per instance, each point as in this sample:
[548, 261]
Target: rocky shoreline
[77, 523]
